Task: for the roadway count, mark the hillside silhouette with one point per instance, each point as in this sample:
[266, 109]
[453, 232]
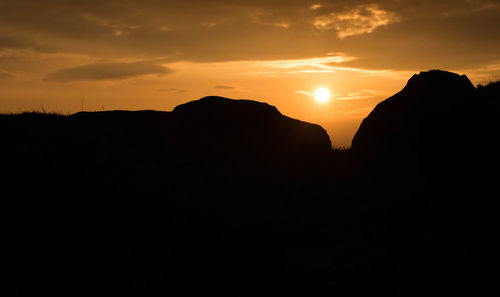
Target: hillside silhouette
[230, 197]
[437, 129]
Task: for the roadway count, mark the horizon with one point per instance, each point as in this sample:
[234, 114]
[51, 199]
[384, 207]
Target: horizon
[68, 57]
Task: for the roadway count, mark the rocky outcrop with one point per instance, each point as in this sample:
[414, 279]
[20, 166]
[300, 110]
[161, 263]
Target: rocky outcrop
[428, 109]
[247, 129]
[214, 131]
[434, 127]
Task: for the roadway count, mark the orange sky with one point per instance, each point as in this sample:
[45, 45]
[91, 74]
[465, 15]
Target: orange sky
[68, 55]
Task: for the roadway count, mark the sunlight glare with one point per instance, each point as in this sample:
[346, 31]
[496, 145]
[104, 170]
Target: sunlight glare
[322, 95]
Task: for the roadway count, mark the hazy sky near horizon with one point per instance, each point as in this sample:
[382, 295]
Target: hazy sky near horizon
[66, 56]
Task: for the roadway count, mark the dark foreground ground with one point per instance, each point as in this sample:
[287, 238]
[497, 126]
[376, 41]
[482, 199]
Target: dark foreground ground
[229, 197]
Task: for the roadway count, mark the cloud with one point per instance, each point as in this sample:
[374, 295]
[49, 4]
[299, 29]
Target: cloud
[172, 90]
[359, 20]
[416, 34]
[13, 42]
[429, 42]
[107, 71]
[484, 74]
[316, 63]
[359, 95]
[334, 63]
[17, 42]
[224, 87]
[308, 93]
[4, 74]
[315, 6]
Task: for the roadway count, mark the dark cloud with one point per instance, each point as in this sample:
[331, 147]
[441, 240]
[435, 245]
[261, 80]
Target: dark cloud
[451, 42]
[13, 42]
[16, 42]
[5, 74]
[107, 71]
[224, 87]
[403, 34]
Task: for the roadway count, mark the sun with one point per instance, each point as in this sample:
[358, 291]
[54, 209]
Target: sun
[322, 95]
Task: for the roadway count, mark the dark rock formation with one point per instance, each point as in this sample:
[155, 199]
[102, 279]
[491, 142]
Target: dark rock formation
[240, 132]
[490, 94]
[431, 129]
[427, 109]
[244, 129]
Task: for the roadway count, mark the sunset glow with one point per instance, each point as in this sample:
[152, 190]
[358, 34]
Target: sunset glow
[150, 55]
[322, 95]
